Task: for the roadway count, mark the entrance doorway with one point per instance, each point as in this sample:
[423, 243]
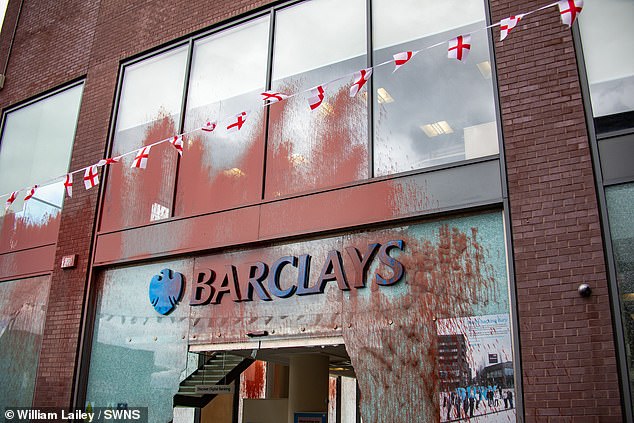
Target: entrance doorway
[299, 381]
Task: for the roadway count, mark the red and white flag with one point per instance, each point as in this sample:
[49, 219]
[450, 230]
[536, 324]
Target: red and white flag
[236, 122]
[91, 177]
[271, 97]
[10, 200]
[142, 155]
[68, 184]
[360, 78]
[30, 193]
[569, 9]
[401, 58]
[209, 126]
[459, 47]
[507, 24]
[316, 97]
[177, 142]
[108, 161]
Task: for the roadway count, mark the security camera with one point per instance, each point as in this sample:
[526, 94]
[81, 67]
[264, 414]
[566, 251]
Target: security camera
[584, 290]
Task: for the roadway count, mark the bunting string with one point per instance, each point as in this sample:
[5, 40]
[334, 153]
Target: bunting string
[458, 48]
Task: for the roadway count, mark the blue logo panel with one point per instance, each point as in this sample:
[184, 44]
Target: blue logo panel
[166, 290]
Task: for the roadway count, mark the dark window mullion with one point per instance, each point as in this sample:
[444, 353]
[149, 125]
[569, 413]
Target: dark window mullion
[181, 123]
[269, 82]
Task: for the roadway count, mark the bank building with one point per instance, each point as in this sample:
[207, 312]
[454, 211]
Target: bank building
[318, 211]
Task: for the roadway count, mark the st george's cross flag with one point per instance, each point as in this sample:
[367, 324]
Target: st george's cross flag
[30, 193]
[91, 177]
[10, 200]
[142, 156]
[177, 142]
[507, 24]
[459, 47]
[569, 9]
[316, 97]
[68, 184]
[271, 97]
[360, 78]
[108, 161]
[209, 126]
[401, 58]
[237, 122]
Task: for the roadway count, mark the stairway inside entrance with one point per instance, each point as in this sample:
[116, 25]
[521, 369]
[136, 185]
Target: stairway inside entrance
[220, 368]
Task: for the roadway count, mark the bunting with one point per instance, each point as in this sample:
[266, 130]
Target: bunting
[316, 97]
[271, 97]
[458, 48]
[569, 10]
[507, 24]
[91, 177]
[68, 184]
[401, 58]
[108, 161]
[10, 200]
[237, 122]
[360, 78]
[30, 193]
[141, 158]
[177, 142]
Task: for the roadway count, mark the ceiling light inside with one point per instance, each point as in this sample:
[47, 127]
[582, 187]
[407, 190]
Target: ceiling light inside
[383, 96]
[435, 129]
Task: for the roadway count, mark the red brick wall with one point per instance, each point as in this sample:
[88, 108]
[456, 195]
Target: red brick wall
[567, 346]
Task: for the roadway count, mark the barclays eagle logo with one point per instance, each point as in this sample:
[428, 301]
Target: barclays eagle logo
[166, 290]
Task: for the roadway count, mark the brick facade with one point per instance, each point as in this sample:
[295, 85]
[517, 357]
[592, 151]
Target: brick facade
[567, 346]
[566, 342]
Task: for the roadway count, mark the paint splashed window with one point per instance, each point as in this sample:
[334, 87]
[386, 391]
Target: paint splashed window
[432, 111]
[36, 145]
[227, 76]
[312, 149]
[620, 199]
[149, 111]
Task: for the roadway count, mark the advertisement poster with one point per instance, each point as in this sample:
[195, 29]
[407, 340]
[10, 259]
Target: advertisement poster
[475, 363]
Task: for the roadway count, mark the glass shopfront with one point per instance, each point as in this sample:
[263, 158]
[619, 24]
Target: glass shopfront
[417, 315]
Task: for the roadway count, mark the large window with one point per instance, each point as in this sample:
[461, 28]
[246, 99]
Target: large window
[22, 314]
[619, 200]
[228, 165]
[432, 112]
[606, 33]
[36, 145]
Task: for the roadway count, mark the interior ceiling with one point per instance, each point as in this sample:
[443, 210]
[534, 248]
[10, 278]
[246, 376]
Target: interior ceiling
[337, 354]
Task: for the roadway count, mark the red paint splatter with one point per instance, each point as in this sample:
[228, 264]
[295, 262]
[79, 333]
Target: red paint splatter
[130, 193]
[393, 342]
[254, 380]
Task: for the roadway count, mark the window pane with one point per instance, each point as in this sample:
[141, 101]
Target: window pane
[326, 146]
[139, 356]
[36, 145]
[607, 34]
[22, 314]
[228, 75]
[149, 111]
[620, 199]
[433, 110]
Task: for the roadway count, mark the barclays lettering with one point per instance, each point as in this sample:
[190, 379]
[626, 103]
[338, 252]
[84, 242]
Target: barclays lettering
[263, 280]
